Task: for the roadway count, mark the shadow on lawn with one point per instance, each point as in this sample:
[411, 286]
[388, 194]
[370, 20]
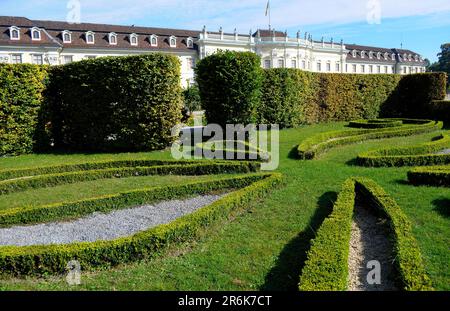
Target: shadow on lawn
[293, 154]
[284, 276]
[442, 206]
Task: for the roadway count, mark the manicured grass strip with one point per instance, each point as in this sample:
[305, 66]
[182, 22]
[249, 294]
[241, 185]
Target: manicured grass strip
[50, 180]
[326, 267]
[67, 210]
[54, 258]
[432, 176]
[375, 123]
[94, 165]
[416, 155]
[317, 144]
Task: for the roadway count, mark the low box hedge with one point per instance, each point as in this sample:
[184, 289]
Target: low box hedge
[50, 180]
[432, 176]
[375, 123]
[326, 267]
[44, 259]
[416, 155]
[317, 144]
[241, 150]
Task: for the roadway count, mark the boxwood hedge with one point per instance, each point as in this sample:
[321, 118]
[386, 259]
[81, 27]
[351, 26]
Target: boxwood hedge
[432, 176]
[326, 267]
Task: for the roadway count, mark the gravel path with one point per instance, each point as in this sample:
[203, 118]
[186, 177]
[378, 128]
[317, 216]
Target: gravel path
[369, 241]
[100, 226]
[445, 151]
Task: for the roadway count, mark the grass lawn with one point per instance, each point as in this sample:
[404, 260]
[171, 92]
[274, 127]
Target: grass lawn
[264, 248]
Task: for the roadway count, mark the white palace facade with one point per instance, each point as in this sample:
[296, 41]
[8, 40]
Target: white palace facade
[49, 42]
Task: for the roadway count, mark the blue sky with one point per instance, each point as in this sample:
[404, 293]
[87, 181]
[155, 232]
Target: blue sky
[421, 25]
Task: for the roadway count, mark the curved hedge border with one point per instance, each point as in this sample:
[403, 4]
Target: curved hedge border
[250, 152]
[317, 144]
[432, 176]
[191, 168]
[416, 155]
[375, 123]
[53, 258]
[326, 267]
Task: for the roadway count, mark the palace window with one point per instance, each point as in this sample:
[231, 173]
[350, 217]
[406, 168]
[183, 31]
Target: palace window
[370, 54]
[303, 64]
[191, 63]
[294, 63]
[404, 70]
[134, 39]
[393, 56]
[363, 68]
[378, 69]
[280, 63]
[16, 58]
[363, 53]
[338, 67]
[153, 40]
[267, 63]
[90, 56]
[14, 33]
[385, 69]
[173, 41]
[67, 59]
[378, 55]
[354, 53]
[37, 59]
[190, 43]
[35, 34]
[370, 68]
[90, 37]
[354, 68]
[112, 38]
[386, 56]
[328, 67]
[67, 36]
[319, 66]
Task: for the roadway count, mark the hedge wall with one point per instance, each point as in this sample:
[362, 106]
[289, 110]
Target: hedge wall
[291, 97]
[440, 109]
[21, 88]
[115, 103]
[230, 87]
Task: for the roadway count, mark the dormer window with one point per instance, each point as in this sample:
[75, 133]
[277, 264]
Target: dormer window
[134, 39]
[354, 53]
[405, 57]
[393, 56]
[378, 55]
[370, 54]
[363, 53]
[386, 56]
[410, 57]
[112, 38]
[190, 43]
[67, 36]
[35, 34]
[14, 33]
[416, 58]
[153, 40]
[173, 41]
[90, 37]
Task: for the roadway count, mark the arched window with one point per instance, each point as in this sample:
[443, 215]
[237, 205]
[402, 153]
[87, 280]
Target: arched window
[386, 55]
[173, 41]
[35, 34]
[370, 54]
[354, 53]
[90, 37]
[66, 36]
[134, 39]
[14, 33]
[363, 54]
[190, 43]
[393, 56]
[379, 55]
[112, 38]
[153, 40]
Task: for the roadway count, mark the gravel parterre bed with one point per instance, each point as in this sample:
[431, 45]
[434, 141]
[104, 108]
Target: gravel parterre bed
[100, 226]
[370, 241]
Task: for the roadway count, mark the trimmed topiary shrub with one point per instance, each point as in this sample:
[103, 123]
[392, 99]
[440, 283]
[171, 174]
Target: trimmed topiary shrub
[192, 100]
[21, 88]
[230, 87]
[116, 103]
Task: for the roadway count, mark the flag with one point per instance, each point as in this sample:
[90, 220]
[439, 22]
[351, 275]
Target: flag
[267, 7]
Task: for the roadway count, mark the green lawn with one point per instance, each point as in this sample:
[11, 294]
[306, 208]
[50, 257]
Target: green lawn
[264, 248]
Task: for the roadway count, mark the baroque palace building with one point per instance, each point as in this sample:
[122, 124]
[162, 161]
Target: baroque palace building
[50, 42]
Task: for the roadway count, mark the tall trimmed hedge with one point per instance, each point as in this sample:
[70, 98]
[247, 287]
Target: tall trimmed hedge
[21, 97]
[230, 87]
[291, 97]
[440, 110]
[115, 103]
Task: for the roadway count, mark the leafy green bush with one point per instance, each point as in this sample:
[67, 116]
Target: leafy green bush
[115, 103]
[432, 176]
[416, 155]
[192, 100]
[21, 88]
[326, 267]
[440, 110]
[230, 87]
[46, 259]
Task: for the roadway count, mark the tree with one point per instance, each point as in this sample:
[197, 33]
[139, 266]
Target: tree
[443, 63]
